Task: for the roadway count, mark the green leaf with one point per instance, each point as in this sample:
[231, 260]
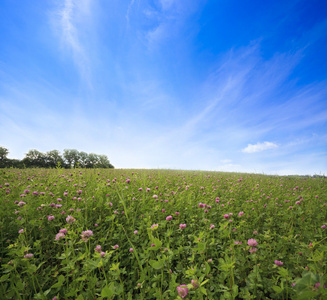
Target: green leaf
[4, 278]
[200, 247]
[119, 289]
[60, 282]
[203, 290]
[207, 268]
[32, 268]
[235, 291]
[19, 285]
[204, 282]
[317, 256]
[157, 243]
[277, 289]
[108, 291]
[156, 264]
[283, 272]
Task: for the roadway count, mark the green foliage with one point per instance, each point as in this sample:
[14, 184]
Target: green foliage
[126, 257]
[52, 159]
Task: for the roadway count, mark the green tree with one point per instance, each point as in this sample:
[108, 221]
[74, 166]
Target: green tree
[71, 157]
[35, 158]
[103, 161]
[52, 158]
[3, 153]
[3, 157]
[92, 161]
[83, 158]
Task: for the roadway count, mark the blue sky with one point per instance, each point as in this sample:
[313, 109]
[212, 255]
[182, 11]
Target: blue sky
[204, 85]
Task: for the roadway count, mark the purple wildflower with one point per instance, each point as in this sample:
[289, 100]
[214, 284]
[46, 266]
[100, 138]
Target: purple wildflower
[182, 290]
[252, 242]
[70, 219]
[182, 226]
[59, 236]
[278, 263]
[86, 234]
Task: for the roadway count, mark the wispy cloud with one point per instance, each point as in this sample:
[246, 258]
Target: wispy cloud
[65, 19]
[168, 21]
[166, 4]
[258, 147]
[129, 9]
[226, 161]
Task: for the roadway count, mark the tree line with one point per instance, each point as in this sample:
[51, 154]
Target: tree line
[71, 158]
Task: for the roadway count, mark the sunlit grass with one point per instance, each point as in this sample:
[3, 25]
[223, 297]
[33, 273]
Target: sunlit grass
[161, 234]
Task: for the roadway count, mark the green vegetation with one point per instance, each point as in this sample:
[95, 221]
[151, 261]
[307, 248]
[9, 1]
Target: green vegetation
[52, 159]
[160, 234]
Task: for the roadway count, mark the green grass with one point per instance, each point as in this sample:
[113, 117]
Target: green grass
[285, 216]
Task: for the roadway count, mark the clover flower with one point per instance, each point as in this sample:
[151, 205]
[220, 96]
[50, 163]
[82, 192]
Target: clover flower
[195, 283]
[182, 290]
[86, 234]
[70, 219]
[278, 263]
[154, 226]
[169, 218]
[59, 236]
[252, 242]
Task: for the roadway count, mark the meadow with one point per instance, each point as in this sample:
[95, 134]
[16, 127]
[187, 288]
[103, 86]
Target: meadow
[161, 234]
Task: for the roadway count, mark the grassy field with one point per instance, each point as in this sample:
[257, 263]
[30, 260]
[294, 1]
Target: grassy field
[161, 234]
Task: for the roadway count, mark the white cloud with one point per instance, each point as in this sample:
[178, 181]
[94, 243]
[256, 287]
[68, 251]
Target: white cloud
[166, 4]
[65, 20]
[226, 161]
[258, 147]
[168, 21]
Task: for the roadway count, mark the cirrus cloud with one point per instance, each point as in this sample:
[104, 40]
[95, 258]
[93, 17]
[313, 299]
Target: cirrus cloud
[258, 147]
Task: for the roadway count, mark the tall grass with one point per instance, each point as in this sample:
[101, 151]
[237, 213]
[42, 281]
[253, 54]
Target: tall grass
[161, 234]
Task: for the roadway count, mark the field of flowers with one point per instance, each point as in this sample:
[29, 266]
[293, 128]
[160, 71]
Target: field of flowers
[159, 234]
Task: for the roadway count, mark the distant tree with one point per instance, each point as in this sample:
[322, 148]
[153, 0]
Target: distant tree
[92, 161]
[103, 161]
[72, 157]
[14, 163]
[52, 158]
[3, 153]
[83, 159]
[35, 158]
